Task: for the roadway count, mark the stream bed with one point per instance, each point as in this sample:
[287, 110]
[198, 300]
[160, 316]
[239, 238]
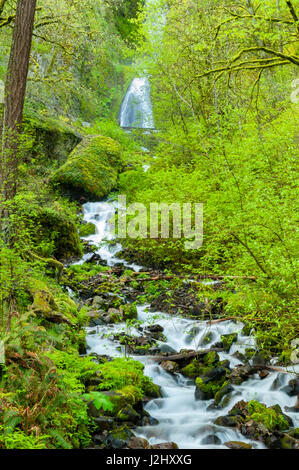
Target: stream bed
[179, 416]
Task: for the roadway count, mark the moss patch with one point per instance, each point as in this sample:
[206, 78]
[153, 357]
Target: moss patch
[87, 229]
[91, 168]
[270, 417]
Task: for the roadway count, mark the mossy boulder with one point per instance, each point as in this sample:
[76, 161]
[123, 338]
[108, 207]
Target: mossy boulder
[44, 304]
[91, 169]
[210, 383]
[228, 340]
[53, 138]
[273, 417]
[57, 226]
[194, 369]
[87, 229]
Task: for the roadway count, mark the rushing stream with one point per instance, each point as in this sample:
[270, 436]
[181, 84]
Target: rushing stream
[182, 419]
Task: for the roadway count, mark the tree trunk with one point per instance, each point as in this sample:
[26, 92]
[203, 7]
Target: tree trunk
[15, 89]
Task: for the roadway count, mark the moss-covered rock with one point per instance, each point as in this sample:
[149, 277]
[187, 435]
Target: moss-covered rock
[210, 383]
[228, 340]
[57, 226]
[45, 305]
[271, 417]
[53, 139]
[91, 168]
[87, 229]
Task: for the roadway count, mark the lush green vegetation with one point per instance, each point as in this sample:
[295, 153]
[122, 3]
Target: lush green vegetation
[227, 137]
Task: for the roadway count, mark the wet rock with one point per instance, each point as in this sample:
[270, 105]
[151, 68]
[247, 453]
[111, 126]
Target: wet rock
[237, 445]
[206, 339]
[192, 334]
[258, 359]
[263, 374]
[165, 445]
[241, 373]
[98, 302]
[279, 440]
[241, 357]
[148, 420]
[138, 443]
[222, 392]
[166, 349]
[118, 439]
[210, 383]
[156, 332]
[292, 389]
[211, 439]
[278, 382]
[128, 414]
[103, 423]
[170, 366]
[229, 421]
[228, 340]
[292, 409]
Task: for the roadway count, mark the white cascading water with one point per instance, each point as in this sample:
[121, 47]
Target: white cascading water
[181, 418]
[136, 109]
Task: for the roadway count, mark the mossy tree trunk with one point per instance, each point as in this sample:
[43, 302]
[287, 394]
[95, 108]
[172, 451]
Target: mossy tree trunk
[15, 89]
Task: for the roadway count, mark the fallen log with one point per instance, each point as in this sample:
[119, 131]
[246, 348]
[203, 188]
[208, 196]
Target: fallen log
[220, 320]
[183, 356]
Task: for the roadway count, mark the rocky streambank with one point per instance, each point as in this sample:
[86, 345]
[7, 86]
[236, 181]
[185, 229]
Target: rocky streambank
[216, 368]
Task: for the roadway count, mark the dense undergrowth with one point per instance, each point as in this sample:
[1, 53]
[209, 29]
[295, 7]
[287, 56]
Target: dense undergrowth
[228, 147]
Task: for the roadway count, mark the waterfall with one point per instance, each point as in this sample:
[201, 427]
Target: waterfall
[136, 110]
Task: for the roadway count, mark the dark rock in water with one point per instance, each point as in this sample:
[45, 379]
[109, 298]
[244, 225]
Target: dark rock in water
[165, 445]
[263, 374]
[214, 374]
[241, 373]
[292, 409]
[228, 340]
[170, 366]
[156, 332]
[206, 339]
[118, 438]
[258, 360]
[138, 443]
[103, 423]
[212, 439]
[237, 445]
[155, 328]
[210, 383]
[278, 382]
[165, 348]
[128, 414]
[230, 421]
[218, 345]
[241, 357]
[222, 392]
[292, 389]
[148, 420]
[279, 440]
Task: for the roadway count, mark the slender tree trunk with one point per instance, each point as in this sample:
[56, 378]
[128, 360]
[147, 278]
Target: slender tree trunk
[15, 89]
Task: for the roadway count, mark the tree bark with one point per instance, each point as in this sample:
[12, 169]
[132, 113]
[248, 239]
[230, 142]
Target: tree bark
[15, 89]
